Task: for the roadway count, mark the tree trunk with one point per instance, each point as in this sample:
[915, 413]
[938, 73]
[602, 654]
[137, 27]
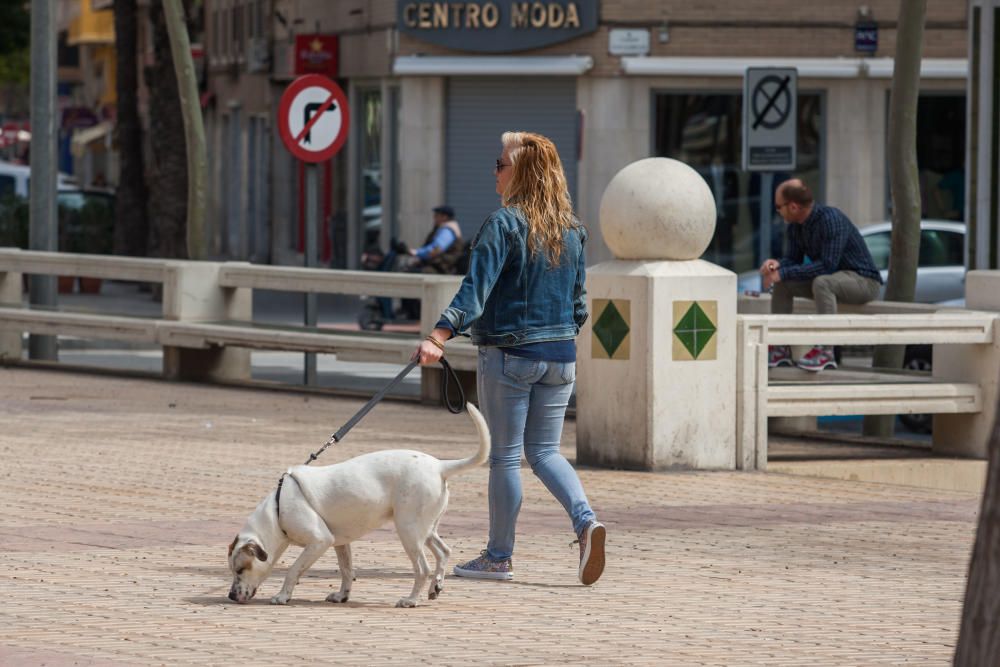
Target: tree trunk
[979, 636]
[904, 182]
[194, 127]
[131, 235]
[168, 166]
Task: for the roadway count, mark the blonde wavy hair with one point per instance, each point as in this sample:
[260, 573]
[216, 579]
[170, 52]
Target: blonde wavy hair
[538, 187]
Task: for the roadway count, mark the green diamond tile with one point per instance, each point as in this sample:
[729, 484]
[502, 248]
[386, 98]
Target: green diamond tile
[611, 329]
[694, 330]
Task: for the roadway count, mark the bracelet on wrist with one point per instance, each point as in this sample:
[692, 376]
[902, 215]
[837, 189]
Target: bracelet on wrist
[436, 342]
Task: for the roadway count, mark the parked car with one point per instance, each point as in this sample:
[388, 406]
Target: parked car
[940, 266]
[15, 179]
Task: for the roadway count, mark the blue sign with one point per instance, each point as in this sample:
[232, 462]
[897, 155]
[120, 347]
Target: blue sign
[496, 26]
[866, 37]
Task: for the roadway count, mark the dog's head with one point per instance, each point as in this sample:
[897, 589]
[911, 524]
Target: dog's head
[248, 562]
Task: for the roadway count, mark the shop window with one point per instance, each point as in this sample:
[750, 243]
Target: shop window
[371, 166]
[941, 156]
[704, 130]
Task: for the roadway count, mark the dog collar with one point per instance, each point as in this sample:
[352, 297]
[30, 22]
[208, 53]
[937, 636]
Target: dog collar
[277, 503]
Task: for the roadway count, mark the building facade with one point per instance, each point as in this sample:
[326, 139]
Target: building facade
[433, 84]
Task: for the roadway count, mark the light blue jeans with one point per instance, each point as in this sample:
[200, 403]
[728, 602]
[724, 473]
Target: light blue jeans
[524, 402]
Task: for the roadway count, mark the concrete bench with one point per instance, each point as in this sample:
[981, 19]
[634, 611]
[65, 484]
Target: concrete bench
[791, 392]
[434, 292]
[206, 326]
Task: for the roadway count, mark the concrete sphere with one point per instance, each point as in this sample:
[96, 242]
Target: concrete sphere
[657, 208]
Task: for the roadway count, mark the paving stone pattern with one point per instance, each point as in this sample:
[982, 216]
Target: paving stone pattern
[120, 495]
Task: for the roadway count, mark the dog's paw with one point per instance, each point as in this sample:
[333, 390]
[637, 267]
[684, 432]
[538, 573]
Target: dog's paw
[281, 598]
[406, 602]
[337, 597]
[435, 590]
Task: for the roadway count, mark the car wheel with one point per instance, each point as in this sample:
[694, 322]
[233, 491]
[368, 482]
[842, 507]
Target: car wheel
[370, 319]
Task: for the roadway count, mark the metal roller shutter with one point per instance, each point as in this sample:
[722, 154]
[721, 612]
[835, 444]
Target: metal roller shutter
[478, 111]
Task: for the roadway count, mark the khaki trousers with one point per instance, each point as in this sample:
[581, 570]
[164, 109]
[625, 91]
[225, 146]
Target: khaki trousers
[826, 291]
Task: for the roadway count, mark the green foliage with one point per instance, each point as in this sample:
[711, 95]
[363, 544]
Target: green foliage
[86, 223]
[15, 65]
[13, 222]
[15, 26]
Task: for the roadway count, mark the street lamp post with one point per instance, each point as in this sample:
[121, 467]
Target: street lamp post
[43, 230]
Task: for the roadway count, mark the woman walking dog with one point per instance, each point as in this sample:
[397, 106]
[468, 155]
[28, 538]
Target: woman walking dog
[523, 301]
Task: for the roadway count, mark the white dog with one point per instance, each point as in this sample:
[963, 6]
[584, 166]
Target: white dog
[337, 504]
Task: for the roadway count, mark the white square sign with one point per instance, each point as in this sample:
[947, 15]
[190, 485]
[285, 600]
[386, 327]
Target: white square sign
[770, 119]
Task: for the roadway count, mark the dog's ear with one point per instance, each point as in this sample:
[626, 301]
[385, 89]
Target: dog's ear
[257, 551]
[233, 544]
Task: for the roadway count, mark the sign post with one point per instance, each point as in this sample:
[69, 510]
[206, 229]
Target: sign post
[770, 134]
[313, 119]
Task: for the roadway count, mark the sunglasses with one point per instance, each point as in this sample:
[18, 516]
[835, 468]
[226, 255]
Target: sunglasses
[500, 166]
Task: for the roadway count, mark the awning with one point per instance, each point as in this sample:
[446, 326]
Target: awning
[930, 68]
[818, 68]
[92, 26]
[82, 138]
[491, 65]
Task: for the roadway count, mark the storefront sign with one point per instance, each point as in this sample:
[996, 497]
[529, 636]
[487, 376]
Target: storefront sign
[866, 37]
[316, 54]
[496, 26]
[628, 42]
[770, 118]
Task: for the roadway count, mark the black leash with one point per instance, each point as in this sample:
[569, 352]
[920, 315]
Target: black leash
[449, 375]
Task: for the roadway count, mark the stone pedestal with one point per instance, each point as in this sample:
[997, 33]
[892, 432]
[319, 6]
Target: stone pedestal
[656, 367]
[656, 361]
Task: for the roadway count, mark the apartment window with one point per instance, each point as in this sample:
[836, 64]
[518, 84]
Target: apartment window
[238, 32]
[258, 18]
[215, 47]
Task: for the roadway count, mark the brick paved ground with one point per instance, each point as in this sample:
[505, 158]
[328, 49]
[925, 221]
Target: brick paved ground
[119, 497]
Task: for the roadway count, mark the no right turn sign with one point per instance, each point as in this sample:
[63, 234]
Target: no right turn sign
[770, 119]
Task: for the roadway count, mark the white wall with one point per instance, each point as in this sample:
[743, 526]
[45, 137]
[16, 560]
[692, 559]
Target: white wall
[421, 154]
[855, 148]
[616, 132]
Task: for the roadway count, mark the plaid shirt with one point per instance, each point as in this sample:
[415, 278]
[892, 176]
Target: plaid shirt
[832, 243]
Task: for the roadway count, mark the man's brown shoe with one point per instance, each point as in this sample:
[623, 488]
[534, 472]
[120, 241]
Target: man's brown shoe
[592, 553]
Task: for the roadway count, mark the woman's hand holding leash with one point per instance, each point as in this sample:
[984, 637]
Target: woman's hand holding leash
[431, 349]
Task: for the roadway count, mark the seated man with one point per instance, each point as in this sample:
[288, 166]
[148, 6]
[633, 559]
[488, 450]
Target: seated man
[441, 253]
[443, 246]
[839, 267]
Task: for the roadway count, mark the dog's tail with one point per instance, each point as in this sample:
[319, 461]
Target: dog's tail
[453, 467]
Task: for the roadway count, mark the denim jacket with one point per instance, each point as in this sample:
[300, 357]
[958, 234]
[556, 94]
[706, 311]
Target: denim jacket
[510, 297]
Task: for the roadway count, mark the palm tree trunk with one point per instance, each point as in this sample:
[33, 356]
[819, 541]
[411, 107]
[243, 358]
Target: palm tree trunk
[131, 235]
[168, 166]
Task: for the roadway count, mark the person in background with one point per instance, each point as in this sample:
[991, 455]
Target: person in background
[523, 301]
[443, 246]
[840, 267]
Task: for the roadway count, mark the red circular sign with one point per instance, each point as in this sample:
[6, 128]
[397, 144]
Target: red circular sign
[313, 118]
